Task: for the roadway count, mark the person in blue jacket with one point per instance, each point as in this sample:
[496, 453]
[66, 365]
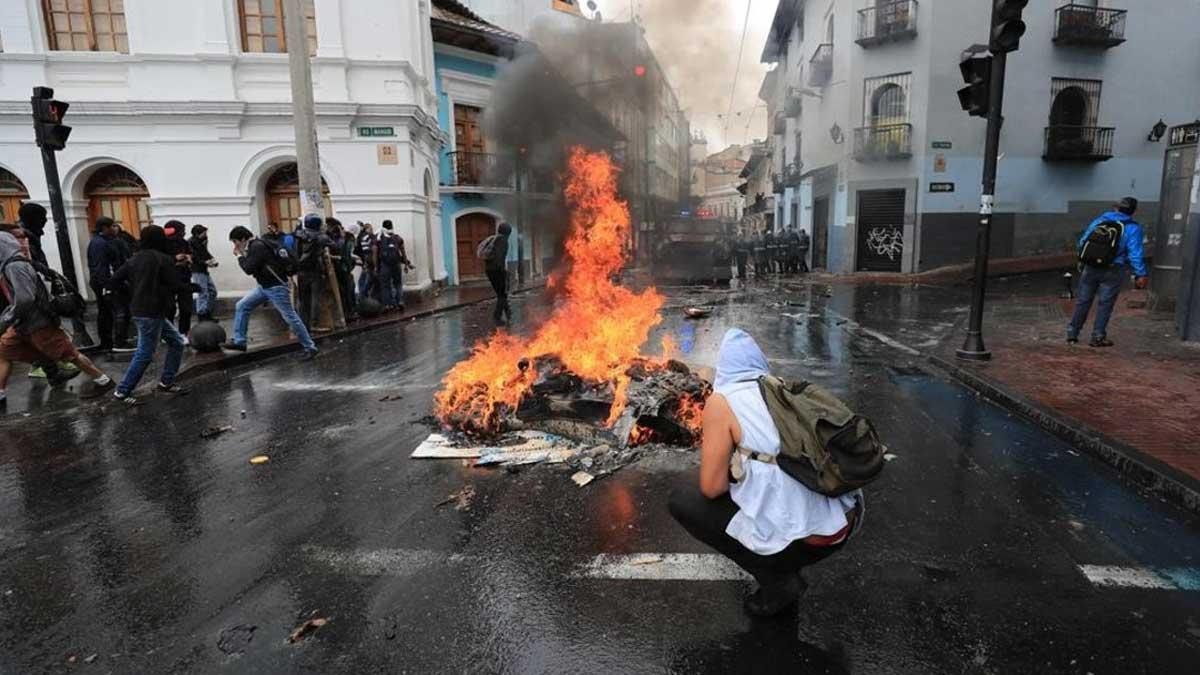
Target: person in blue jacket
[1106, 282]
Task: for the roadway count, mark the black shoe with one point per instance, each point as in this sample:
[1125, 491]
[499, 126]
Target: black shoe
[234, 346]
[1072, 340]
[769, 601]
[308, 356]
[1100, 342]
[60, 378]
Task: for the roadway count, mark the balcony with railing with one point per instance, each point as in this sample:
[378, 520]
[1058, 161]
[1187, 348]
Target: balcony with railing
[481, 170]
[883, 142]
[1069, 143]
[1089, 26]
[794, 105]
[820, 66]
[777, 186]
[887, 22]
[779, 125]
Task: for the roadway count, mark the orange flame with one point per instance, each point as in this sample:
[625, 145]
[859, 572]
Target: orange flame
[597, 330]
[691, 414]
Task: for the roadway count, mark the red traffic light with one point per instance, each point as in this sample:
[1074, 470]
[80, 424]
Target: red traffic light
[639, 71]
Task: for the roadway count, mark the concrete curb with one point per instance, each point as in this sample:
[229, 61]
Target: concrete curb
[236, 359]
[1151, 474]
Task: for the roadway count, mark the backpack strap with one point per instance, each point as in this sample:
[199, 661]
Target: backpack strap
[741, 455]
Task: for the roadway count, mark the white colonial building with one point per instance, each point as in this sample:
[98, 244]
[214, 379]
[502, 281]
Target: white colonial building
[182, 110]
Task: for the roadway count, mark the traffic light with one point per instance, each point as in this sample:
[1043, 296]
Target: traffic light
[1007, 26]
[977, 73]
[47, 119]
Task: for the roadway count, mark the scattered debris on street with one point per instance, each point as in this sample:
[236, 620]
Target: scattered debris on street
[306, 628]
[213, 432]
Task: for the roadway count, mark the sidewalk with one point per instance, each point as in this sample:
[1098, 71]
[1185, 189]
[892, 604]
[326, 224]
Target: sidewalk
[268, 336]
[1135, 404]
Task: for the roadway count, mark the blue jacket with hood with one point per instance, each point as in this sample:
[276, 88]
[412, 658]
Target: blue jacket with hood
[1129, 251]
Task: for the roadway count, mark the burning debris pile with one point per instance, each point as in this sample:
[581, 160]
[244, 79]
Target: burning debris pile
[581, 374]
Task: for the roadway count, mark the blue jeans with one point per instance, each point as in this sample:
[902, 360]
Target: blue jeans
[391, 279]
[367, 285]
[206, 299]
[1095, 281]
[280, 298]
[150, 331]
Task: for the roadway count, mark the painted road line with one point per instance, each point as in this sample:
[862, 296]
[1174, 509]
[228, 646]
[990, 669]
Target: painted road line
[386, 562]
[852, 326]
[1167, 579]
[663, 567]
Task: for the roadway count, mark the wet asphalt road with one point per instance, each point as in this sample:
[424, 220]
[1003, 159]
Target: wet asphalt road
[128, 544]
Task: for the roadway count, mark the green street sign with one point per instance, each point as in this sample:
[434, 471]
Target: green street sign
[376, 132]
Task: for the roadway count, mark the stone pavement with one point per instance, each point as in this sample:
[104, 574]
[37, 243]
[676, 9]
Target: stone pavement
[268, 336]
[1141, 392]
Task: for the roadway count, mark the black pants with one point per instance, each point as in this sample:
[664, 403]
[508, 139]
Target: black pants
[706, 520]
[309, 287]
[183, 308]
[741, 265]
[112, 318]
[499, 279]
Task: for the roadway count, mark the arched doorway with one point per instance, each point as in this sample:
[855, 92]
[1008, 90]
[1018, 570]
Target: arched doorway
[12, 193]
[469, 231]
[119, 193]
[429, 226]
[282, 193]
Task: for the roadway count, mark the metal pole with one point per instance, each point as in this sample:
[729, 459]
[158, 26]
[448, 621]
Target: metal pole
[304, 119]
[973, 349]
[80, 336]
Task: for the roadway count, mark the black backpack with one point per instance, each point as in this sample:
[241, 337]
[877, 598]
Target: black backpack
[284, 262]
[389, 250]
[63, 299]
[1102, 245]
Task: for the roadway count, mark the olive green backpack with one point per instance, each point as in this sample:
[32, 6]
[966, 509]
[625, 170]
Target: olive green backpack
[823, 444]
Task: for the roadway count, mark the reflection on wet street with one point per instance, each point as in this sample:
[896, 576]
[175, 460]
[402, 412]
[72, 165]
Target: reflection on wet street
[128, 539]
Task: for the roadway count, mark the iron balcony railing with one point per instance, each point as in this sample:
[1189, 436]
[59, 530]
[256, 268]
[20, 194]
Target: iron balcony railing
[1076, 143]
[1089, 26]
[777, 186]
[481, 169]
[779, 126]
[889, 141]
[820, 66]
[887, 22]
[794, 105]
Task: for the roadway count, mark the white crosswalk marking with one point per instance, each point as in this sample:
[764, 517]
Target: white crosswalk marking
[1175, 579]
[663, 567]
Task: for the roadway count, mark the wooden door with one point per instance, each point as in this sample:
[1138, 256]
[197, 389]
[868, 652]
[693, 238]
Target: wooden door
[283, 209]
[469, 144]
[820, 234]
[470, 230]
[8, 208]
[131, 212]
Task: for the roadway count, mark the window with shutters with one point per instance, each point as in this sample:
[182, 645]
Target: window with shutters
[262, 26]
[86, 25]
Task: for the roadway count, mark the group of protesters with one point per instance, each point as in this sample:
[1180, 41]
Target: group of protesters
[148, 289]
[771, 253]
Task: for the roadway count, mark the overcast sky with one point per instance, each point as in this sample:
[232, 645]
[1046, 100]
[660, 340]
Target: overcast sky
[696, 41]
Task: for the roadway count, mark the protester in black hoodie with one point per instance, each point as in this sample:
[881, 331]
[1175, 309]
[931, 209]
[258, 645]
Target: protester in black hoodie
[155, 284]
[179, 249]
[202, 262]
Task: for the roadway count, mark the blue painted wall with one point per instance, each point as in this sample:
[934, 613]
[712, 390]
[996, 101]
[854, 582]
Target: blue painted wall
[453, 206]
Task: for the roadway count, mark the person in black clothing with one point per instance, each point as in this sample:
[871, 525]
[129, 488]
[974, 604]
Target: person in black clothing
[264, 261]
[392, 261]
[804, 244]
[181, 252]
[366, 246]
[104, 257]
[155, 284]
[202, 262]
[312, 247]
[495, 265]
[741, 252]
[343, 265]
